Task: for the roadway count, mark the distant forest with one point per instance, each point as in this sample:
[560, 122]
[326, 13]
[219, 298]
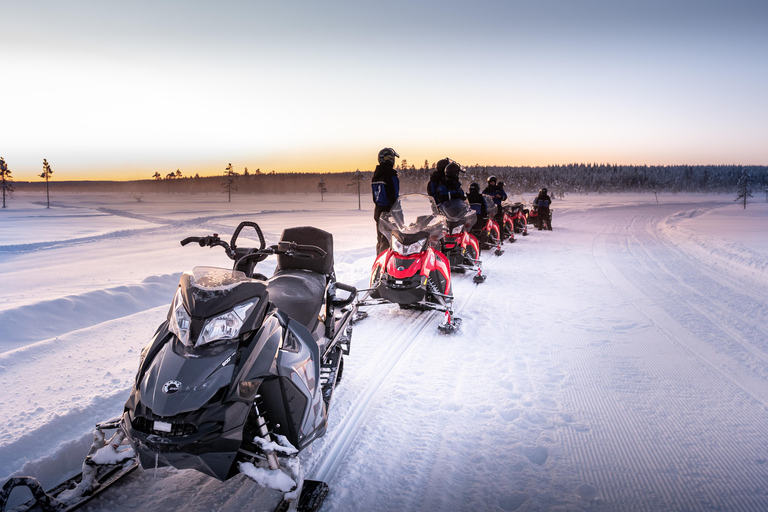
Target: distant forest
[559, 179]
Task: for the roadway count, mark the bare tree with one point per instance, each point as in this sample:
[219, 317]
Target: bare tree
[5, 174]
[356, 179]
[46, 174]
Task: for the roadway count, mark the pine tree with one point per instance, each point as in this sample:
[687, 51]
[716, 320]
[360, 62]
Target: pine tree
[46, 174]
[5, 174]
[229, 184]
[743, 188]
[321, 188]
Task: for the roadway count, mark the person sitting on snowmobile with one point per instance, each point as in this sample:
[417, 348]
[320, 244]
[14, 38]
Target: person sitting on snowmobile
[542, 202]
[451, 187]
[385, 186]
[498, 195]
[437, 179]
[477, 202]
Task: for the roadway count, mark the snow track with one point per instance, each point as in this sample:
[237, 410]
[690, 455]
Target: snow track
[344, 433]
[610, 365]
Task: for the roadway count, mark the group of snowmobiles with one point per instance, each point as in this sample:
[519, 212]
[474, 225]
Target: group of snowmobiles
[240, 376]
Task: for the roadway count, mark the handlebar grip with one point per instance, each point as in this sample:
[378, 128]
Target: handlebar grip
[190, 239]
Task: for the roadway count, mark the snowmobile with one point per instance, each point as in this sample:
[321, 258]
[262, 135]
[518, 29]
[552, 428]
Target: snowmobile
[240, 376]
[459, 245]
[412, 272]
[488, 233]
[515, 220]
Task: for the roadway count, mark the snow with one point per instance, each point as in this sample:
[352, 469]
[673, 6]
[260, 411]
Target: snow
[619, 362]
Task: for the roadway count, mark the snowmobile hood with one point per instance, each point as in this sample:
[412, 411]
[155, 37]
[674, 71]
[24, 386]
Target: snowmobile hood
[175, 384]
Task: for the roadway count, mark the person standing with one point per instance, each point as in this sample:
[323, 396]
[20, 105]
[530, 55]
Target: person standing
[451, 187]
[385, 187]
[498, 195]
[437, 179]
[543, 201]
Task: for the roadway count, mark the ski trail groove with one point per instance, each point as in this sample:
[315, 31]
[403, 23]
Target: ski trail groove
[353, 420]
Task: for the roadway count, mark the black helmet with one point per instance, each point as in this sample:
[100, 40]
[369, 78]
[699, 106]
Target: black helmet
[491, 178]
[500, 184]
[544, 190]
[388, 155]
[474, 188]
[441, 164]
[452, 170]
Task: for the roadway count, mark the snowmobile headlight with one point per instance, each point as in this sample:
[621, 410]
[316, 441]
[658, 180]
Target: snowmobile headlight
[180, 319]
[406, 250]
[227, 325]
[458, 229]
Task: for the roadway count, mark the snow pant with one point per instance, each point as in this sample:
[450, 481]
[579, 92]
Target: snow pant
[381, 241]
[544, 218]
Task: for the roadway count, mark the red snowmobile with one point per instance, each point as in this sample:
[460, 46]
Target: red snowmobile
[488, 233]
[515, 220]
[412, 272]
[460, 246]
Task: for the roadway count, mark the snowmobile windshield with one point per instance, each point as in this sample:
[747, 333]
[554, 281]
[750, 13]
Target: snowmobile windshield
[458, 211]
[490, 205]
[217, 279]
[411, 214]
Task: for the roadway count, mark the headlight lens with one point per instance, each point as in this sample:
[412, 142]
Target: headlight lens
[409, 249]
[458, 229]
[227, 325]
[180, 320]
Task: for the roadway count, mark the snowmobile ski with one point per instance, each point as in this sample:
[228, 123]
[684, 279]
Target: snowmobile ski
[103, 466]
[313, 495]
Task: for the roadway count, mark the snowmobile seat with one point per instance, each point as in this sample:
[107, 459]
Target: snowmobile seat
[307, 235]
[299, 285]
[299, 293]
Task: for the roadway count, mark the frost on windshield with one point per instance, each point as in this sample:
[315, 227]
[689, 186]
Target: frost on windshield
[217, 279]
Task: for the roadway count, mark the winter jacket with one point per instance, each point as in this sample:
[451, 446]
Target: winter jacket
[497, 193]
[433, 187]
[477, 202]
[543, 201]
[450, 189]
[385, 186]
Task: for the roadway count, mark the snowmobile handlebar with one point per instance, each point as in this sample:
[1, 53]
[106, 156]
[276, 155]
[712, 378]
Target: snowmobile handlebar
[340, 303]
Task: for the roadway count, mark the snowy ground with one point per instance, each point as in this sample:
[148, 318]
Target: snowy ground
[619, 362]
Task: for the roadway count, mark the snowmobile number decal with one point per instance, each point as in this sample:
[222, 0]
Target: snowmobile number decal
[171, 387]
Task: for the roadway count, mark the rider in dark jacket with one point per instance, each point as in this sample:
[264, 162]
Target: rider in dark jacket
[437, 179]
[451, 187]
[477, 202]
[498, 195]
[543, 201]
[385, 187]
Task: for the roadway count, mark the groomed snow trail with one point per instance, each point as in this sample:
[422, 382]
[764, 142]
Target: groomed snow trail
[609, 365]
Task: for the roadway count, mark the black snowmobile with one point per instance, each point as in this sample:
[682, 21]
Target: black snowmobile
[240, 376]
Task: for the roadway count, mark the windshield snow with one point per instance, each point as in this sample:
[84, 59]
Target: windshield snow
[215, 278]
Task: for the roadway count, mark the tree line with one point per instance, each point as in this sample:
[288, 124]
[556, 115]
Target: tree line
[577, 178]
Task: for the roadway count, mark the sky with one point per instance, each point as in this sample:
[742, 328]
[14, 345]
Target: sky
[121, 90]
